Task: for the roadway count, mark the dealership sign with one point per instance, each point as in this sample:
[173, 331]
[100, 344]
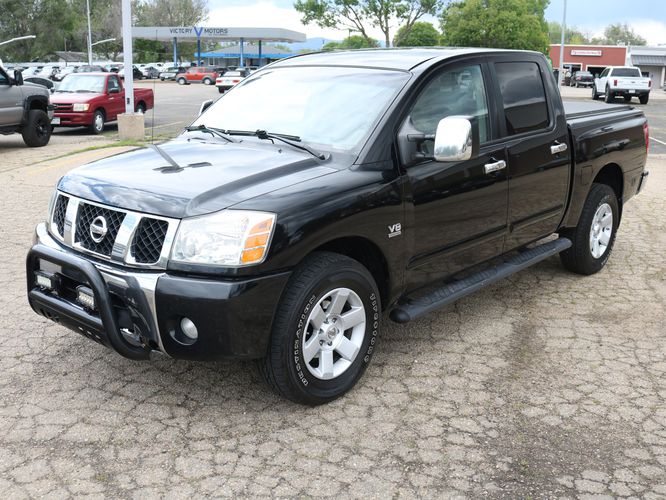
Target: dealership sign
[593, 53]
[218, 33]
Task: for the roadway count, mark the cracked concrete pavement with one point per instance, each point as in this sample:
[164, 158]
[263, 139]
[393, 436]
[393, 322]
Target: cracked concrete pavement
[545, 385]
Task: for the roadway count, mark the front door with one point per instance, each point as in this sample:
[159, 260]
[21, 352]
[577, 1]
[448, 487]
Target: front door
[538, 154]
[458, 210]
[116, 97]
[11, 102]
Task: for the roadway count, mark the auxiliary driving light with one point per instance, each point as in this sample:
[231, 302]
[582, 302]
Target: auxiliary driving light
[189, 328]
[45, 280]
[85, 297]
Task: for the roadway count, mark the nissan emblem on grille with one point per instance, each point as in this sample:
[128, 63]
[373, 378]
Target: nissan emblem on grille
[98, 229]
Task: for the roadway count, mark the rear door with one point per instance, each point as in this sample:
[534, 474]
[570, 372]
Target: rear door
[458, 209]
[11, 102]
[533, 123]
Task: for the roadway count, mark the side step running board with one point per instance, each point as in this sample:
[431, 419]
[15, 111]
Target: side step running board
[412, 308]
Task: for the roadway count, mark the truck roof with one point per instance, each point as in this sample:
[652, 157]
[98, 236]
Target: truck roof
[403, 59]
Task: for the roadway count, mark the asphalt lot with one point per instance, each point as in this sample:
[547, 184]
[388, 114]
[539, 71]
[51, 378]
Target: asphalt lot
[545, 385]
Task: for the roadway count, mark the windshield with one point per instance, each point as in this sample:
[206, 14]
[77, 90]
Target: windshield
[83, 83]
[626, 72]
[334, 108]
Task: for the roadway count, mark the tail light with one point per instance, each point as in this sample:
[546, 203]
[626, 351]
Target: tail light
[646, 133]
[614, 83]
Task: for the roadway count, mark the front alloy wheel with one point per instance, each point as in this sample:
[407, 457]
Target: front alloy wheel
[325, 330]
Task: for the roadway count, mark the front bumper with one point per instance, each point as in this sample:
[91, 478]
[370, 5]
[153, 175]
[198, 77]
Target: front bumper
[138, 312]
[74, 119]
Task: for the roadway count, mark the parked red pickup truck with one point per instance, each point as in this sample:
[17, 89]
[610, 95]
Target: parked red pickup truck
[93, 99]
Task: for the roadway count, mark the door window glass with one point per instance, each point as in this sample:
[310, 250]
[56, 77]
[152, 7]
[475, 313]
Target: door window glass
[524, 96]
[3, 80]
[458, 91]
[112, 83]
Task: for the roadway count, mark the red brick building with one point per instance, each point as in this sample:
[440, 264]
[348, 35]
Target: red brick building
[592, 58]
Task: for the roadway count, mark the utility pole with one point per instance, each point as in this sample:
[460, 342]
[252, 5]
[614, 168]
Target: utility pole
[89, 34]
[560, 74]
[128, 62]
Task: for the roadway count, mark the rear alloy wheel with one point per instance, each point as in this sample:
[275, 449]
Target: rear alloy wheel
[97, 126]
[207, 81]
[594, 236]
[325, 330]
[37, 131]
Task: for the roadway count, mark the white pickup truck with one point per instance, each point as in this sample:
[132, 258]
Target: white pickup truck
[625, 81]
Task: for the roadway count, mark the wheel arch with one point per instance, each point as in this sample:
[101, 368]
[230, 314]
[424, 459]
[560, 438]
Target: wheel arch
[36, 102]
[612, 176]
[369, 255]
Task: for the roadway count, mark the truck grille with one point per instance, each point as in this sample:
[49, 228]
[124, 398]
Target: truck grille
[131, 238]
[63, 107]
[59, 214]
[149, 240]
[87, 214]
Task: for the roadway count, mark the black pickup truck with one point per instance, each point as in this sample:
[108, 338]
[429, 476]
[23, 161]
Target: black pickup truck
[325, 193]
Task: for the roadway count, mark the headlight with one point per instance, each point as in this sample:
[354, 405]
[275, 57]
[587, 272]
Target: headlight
[79, 106]
[226, 238]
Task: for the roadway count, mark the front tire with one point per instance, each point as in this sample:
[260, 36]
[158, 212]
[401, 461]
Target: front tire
[325, 330]
[182, 81]
[37, 130]
[97, 126]
[594, 236]
[595, 95]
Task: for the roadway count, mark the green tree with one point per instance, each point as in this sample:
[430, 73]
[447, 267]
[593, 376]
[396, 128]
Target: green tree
[572, 35]
[422, 35]
[352, 42]
[620, 34]
[509, 24]
[362, 15]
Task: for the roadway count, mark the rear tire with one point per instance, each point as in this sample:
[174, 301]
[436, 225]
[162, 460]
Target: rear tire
[644, 98]
[220, 90]
[594, 236]
[609, 96]
[141, 108]
[325, 330]
[207, 81]
[37, 130]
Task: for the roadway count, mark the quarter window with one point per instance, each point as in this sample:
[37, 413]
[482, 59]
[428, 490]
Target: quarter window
[524, 96]
[458, 91]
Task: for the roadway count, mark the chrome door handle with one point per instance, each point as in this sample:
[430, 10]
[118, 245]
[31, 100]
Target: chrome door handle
[494, 167]
[558, 148]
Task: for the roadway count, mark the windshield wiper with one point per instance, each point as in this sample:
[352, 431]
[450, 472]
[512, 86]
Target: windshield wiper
[287, 139]
[209, 130]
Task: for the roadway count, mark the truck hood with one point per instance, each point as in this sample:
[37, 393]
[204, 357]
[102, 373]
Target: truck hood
[212, 176]
[70, 98]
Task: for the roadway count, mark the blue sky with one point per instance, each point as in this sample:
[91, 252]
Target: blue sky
[647, 17]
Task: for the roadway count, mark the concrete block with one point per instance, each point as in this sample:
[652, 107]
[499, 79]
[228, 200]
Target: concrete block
[131, 127]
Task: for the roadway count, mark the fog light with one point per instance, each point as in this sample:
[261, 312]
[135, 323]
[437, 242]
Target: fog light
[85, 297]
[44, 280]
[189, 329]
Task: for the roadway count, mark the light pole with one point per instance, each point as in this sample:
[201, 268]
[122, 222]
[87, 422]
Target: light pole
[89, 34]
[17, 39]
[560, 74]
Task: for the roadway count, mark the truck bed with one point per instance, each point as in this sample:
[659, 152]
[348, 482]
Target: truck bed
[580, 109]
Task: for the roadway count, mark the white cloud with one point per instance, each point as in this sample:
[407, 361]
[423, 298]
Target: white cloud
[653, 31]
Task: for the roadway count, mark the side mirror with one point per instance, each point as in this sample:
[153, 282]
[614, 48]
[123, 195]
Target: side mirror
[114, 90]
[18, 77]
[204, 106]
[456, 139]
